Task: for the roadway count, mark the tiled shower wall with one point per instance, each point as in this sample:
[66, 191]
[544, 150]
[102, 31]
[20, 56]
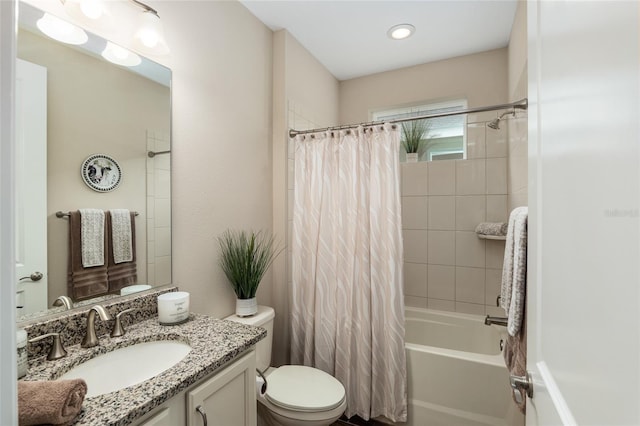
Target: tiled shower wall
[447, 267]
[158, 210]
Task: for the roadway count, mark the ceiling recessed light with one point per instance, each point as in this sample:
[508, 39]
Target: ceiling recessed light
[401, 31]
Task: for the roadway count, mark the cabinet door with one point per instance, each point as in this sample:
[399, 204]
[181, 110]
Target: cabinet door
[226, 399]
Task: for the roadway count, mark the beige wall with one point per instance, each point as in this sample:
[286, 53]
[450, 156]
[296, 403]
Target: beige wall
[518, 146]
[93, 107]
[305, 97]
[480, 78]
[221, 58]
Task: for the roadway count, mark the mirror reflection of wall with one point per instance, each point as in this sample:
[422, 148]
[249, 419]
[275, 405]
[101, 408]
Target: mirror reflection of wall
[93, 107]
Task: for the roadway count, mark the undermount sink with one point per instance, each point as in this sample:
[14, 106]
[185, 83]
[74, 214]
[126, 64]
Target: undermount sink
[128, 366]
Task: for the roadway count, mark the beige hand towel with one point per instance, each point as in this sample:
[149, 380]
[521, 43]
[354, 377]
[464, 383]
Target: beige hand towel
[121, 235]
[92, 237]
[55, 402]
[123, 274]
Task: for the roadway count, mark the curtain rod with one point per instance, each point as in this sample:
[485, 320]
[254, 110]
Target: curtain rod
[521, 104]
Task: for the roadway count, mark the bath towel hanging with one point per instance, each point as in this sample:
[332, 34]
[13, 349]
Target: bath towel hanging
[83, 283]
[92, 237]
[121, 235]
[125, 273]
[514, 272]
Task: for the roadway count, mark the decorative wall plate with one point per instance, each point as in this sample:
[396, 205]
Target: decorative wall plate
[101, 173]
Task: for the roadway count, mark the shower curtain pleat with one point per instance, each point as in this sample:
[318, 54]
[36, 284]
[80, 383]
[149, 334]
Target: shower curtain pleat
[347, 300]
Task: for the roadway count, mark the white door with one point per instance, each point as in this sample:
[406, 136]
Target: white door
[584, 190]
[31, 187]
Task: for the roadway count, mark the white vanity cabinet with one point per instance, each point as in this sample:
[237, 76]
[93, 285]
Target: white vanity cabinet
[227, 398]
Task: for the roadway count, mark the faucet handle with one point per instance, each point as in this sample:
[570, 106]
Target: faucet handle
[118, 329]
[57, 350]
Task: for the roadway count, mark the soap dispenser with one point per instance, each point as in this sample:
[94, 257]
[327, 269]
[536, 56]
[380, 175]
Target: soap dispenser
[21, 343]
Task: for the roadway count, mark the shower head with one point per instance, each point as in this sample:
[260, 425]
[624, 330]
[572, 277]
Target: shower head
[495, 123]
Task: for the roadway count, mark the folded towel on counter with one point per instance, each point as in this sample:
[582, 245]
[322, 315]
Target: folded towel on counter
[92, 237]
[514, 271]
[83, 283]
[55, 402]
[497, 229]
[121, 235]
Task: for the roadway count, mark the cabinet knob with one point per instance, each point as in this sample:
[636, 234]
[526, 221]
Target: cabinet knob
[201, 411]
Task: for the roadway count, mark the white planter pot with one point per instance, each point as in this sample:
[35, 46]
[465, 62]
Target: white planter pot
[412, 157]
[246, 307]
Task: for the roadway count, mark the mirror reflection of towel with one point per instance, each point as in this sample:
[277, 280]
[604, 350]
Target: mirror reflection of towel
[83, 283]
[121, 235]
[122, 274]
[92, 237]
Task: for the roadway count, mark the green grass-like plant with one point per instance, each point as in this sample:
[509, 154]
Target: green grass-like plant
[413, 134]
[244, 258]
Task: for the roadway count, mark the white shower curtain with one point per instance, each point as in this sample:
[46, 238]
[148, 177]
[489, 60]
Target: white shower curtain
[347, 307]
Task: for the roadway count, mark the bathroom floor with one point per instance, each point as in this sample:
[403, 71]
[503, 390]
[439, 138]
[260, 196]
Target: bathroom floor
[356, 421]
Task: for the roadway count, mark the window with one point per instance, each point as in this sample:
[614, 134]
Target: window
[446, 136]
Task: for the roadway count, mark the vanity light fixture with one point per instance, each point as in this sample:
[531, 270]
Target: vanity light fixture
[401, 31]
[61, 30]
[83, 9]
[120, 56]
[149, 38]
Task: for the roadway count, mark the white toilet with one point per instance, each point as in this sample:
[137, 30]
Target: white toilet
[296, 395]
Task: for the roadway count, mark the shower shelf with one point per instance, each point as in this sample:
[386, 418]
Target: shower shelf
[492, 237]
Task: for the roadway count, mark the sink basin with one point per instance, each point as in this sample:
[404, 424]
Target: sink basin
[128, 366]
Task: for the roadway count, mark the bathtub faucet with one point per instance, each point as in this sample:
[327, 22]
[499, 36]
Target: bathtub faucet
[495, 320]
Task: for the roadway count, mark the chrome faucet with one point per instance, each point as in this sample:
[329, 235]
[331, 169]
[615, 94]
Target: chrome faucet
[90, 339]
[64, 301]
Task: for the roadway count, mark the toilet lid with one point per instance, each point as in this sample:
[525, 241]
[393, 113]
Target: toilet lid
[301, 388]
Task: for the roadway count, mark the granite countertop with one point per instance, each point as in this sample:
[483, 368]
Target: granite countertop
[214, 343]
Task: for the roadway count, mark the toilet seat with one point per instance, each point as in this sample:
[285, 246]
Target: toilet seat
[304, 389]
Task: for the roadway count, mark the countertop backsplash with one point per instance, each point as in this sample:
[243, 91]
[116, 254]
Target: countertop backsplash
[72, 324]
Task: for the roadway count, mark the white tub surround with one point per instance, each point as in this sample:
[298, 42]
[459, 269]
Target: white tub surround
[456, 372]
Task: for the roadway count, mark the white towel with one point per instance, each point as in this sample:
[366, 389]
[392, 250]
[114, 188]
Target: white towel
[92, 237]
[514, 270]
[121, 235]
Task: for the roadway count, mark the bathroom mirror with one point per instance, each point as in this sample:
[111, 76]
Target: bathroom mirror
[94, 106]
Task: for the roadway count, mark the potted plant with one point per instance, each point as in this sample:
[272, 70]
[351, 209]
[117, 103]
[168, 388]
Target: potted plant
[244, 258]
[413, 135]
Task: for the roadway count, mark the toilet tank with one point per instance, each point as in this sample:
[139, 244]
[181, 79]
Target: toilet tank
[264, 319]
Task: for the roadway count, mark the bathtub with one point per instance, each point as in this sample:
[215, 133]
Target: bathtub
[456, 372]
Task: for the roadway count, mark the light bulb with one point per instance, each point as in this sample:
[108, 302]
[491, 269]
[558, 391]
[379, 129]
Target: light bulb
[120, 56]
[61, 30]
[92, 9]
[402, 31]
[150, 34]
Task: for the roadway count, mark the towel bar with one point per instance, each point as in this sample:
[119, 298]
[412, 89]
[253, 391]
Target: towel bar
[60, 214]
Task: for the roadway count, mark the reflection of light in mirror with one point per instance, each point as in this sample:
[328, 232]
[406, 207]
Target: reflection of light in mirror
[92, 9]
[82, 9]
[150, 35]
[120, 56]
[61, 30]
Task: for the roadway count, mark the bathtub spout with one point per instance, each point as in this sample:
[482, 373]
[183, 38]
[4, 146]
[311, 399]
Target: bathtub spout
[495, 320]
